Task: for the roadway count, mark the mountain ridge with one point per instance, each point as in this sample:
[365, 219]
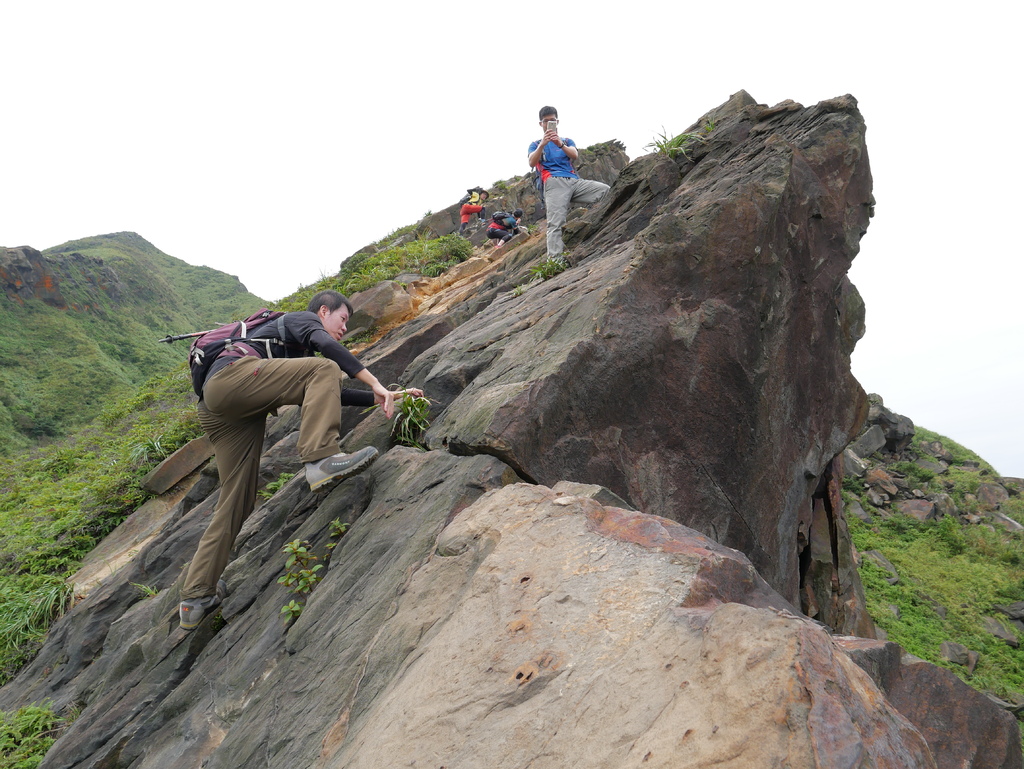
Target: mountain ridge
[78, 324]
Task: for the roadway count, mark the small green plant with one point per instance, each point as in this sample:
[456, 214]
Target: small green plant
[359, 339]
[911, 470]
[336, 532]
[275, 486]
[146, 590]
[291, 610]
[500, 185]
[148, 449]
[412, 418]
[675, 145]
[549, 268]
[518, 290]
[302, 573]
[436, 268]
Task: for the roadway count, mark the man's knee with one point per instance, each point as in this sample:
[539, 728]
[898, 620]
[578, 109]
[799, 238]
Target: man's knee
[589, 192]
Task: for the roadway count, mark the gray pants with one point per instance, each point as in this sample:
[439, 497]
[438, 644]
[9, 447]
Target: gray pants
[560, 196]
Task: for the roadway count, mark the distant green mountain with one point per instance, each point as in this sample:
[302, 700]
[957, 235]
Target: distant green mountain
[79, 325]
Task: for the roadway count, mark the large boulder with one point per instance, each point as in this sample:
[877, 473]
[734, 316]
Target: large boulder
[964, 728]
[696, 360]
[383, 304]
[463, 621]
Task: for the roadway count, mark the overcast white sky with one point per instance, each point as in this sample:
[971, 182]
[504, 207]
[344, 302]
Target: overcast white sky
[271, 141]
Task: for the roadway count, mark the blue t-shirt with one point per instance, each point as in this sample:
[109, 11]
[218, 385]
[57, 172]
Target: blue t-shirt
[555, 162]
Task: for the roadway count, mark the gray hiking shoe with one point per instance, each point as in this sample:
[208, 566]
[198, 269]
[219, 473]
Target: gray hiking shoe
[192, 611]
[327, 473]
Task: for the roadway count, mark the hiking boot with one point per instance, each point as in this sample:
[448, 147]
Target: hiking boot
[192, 610]
[327, 473]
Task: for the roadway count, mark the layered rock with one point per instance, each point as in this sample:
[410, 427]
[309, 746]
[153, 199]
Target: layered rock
[696, 361]
[460, 626]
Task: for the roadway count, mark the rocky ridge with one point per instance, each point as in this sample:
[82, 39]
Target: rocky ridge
[630, 506]
[26, 274]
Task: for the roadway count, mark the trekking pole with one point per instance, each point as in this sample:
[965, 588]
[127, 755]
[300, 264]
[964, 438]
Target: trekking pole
[175, 338]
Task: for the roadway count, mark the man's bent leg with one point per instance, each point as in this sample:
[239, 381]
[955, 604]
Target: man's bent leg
[586, 192]
[255, 386]
[238, 447]
[557, 194]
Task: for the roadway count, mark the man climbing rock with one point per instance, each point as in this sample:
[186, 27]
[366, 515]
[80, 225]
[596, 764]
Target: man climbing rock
[554, 155]
[237, 395]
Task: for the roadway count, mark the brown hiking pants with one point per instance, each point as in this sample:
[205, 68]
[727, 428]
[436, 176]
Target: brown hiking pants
[233, 412]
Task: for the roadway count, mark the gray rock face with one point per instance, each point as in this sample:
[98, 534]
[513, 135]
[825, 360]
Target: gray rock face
[870, 442]
[968, 731]
[638, 369]
[591, 634]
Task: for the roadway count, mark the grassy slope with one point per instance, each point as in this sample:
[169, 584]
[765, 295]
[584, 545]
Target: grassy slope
[58, 367]
[57, 501]
[965, 569]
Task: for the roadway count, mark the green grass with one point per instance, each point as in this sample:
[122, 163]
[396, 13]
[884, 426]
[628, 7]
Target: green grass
[549, 268]
[362, 271]
[679, 144]
[57, 502]
[967, 569]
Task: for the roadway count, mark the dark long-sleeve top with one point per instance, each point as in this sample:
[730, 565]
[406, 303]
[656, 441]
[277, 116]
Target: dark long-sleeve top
[304, 335]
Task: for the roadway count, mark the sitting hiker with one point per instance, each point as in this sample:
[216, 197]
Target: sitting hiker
[473, 203]
[242, 386]
[504, 226]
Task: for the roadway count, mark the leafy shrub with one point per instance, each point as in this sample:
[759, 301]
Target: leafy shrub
[26, 735]
[549, 268]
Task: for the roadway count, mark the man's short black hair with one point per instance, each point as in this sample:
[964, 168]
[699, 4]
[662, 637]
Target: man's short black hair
[332, 300]
[545, 111]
